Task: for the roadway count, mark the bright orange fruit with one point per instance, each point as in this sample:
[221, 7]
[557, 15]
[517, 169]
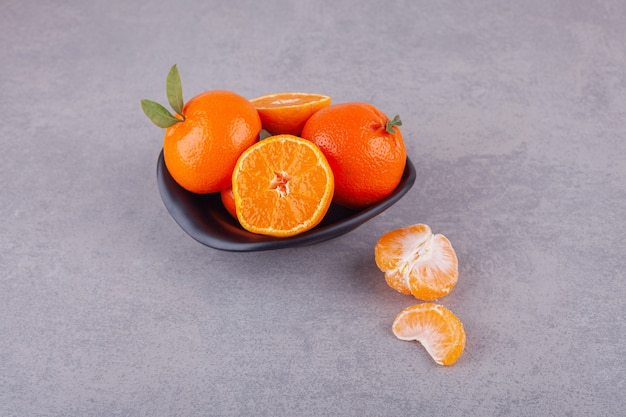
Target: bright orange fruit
[364, 148]
[283, 186]
[286, 113]
[228, 200]
[200, 152]
[435, 327]
[416, 261]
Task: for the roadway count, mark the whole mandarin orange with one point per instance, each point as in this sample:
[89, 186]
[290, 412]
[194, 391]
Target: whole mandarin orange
[200, 152]
[416, 261]
[364, 148]
[435, 327]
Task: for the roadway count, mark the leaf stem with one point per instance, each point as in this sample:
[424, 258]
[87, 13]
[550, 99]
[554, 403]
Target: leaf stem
[174, 90]
[158, 114]
[389, 127]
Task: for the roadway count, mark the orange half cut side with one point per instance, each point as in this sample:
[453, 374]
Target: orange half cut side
[283, 186]
[286, 113]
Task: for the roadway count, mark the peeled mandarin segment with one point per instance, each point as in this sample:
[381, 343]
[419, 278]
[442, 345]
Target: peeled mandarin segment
[282, 186]
[398, 245]
[435, 272]
[387, 261]
[417, 262]
[396, 281]
[286, 113]
[435, 327]
[395, 250]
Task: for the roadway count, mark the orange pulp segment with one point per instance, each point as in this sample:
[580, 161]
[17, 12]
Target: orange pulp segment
[435, 327]
[286, 113]
[283, 186]
[416, 261]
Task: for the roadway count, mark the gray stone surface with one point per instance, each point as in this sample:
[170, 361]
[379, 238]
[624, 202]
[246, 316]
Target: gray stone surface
[514, 114]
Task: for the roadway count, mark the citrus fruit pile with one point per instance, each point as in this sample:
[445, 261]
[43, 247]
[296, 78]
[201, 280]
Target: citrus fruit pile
[317, 153]
[351, 154]
[417, 262]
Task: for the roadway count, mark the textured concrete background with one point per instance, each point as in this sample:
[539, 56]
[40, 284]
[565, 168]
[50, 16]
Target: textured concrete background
[514, 114]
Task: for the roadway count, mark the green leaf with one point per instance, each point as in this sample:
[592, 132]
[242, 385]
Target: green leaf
[159, 115]
[394, 122]
[174, 89]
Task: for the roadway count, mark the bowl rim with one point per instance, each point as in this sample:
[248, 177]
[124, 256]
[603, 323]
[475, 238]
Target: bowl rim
[204, 218]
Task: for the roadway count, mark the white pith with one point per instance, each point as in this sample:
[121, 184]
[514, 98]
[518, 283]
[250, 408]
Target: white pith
[418, 251]
[280, 183]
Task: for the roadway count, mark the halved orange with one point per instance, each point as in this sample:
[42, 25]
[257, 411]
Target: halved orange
[286, 113]
[435, 327]
[416, 261]
[283, 186]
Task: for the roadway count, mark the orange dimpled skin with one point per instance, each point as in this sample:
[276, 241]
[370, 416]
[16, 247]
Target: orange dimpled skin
[200, 152]
[283, 186]
[416, 261]
[435, 327]
[366, 153]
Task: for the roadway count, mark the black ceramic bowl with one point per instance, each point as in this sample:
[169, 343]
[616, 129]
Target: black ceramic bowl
[206, 220]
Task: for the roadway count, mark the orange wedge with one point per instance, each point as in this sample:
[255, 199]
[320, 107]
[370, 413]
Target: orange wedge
[435, 327]
[283, 186]
[286, 113]
[416, 261]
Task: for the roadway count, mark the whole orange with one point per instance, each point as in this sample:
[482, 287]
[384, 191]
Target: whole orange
[200, 152]
[366, 158]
